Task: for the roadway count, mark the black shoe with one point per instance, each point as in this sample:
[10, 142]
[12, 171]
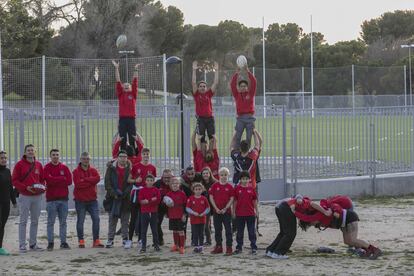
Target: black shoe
[237, 251]
[64, 245]
[196, 250]
[50, 246]
[157, 248]
[161, 242]
[254, 251]
[207, 243]
[143, 250]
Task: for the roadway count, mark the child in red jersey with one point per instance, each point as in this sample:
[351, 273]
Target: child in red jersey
[221, 198]
[127, 99]
[176, 215]
[245, 210]
[137, 178]
[149, 198]
[244, 93]
[197, 207]
[203, 107]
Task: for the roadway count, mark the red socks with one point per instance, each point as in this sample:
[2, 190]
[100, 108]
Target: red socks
[181, 240]
[176, 239]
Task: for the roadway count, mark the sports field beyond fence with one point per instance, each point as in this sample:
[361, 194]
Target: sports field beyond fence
[327, 142]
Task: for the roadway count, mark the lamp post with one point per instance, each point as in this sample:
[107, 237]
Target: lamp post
[409, 46]
[177, 60]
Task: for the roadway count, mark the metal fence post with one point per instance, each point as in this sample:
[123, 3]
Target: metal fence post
[166, 143]
[303, 87]
[78, 143]
[353, 89]
[2, 136]
[21, 130]
[187, 134]
[293, 161]
[284, 146]
[373, 157]
[44, 131]
[405, 85]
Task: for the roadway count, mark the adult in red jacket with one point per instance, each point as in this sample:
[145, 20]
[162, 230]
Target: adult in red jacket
[127, 99]
[85, 179]
[28, 179]
[58, 178]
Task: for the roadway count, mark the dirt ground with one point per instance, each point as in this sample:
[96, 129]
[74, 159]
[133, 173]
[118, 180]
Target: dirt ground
[385, 222]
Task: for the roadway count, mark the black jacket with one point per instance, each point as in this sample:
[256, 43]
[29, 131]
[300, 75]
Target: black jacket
[6, 188]
[111, 184]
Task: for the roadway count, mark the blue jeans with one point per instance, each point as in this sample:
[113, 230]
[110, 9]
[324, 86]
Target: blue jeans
[241, 222]
[92, 208]
[59, 208]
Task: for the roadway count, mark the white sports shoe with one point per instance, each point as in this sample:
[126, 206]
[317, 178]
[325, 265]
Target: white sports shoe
[109, 244]
[269, 254]
[128, 244]
[279, 257]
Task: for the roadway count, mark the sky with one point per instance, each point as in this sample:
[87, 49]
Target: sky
[337, 20]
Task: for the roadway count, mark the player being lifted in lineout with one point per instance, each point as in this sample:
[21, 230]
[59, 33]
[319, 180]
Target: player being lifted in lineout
[127, 99]
[203, 106]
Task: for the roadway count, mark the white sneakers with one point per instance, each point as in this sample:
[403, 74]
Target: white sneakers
[109, 244]
[276, 256]
[128, 244]
[279, 257]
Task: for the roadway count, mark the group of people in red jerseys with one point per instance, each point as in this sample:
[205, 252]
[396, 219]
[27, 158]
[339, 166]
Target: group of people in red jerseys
[31, 180]
[138, 201]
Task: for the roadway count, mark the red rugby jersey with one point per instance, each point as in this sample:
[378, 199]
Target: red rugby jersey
[198, 205]
[245, 197]
[180, 200]
[203, 106]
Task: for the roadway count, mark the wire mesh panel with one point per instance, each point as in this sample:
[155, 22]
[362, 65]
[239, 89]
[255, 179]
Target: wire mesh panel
[92, 81]
[22, 82]
[270, 160]
[346, 142]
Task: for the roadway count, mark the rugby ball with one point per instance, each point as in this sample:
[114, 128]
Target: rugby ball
[38, 188]
[121, 41]
[168, 201]
[241, 61]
